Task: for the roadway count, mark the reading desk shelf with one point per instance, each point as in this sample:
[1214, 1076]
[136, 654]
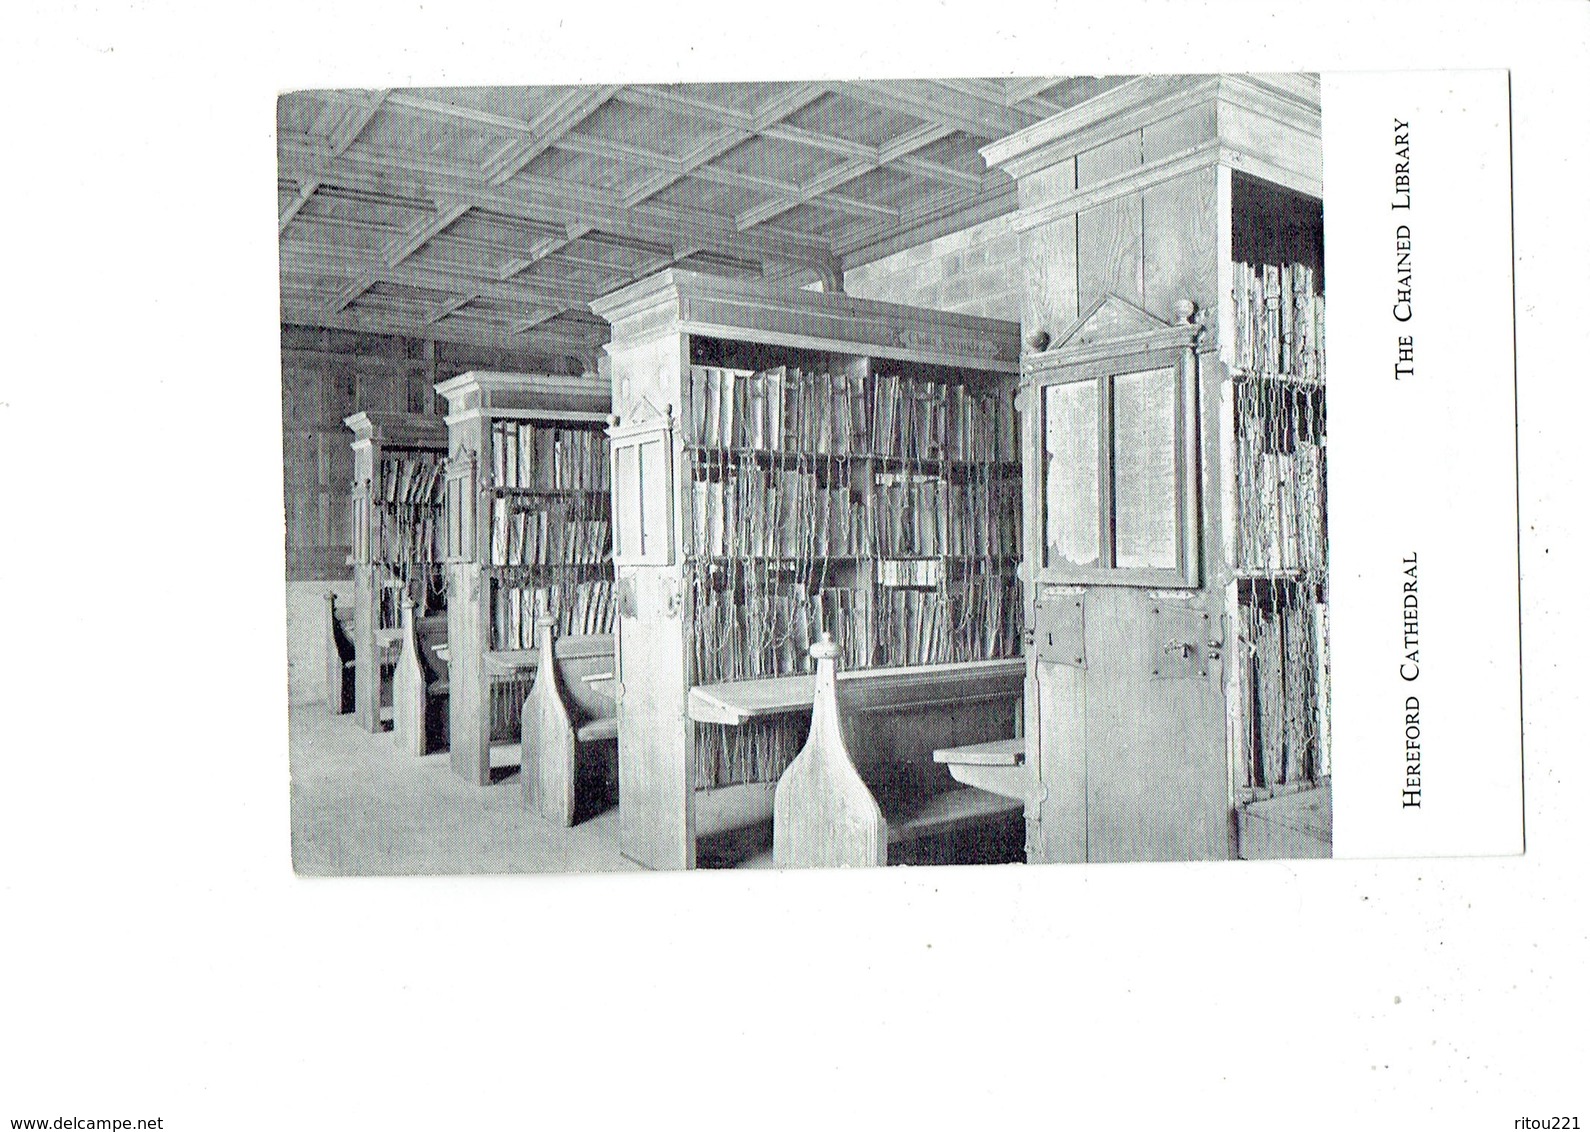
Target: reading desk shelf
[396, 525]
[789, 463]
[528, 528]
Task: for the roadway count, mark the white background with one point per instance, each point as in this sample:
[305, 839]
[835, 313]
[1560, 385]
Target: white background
[1423, 465]
[159, 957]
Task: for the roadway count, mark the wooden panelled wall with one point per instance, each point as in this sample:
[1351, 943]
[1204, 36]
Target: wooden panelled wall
[1153, 245]
[330, 374]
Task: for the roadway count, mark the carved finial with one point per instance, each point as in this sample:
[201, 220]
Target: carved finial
[612, 420]
[1038, 339]
[408, 600]
[824, 648]
[1185, 309]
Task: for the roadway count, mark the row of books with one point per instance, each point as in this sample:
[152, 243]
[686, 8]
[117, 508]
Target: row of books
[541, 458]
[1280, 320]
[784, 409]
[933, 516]
[984, 518]
[1281, 511]
[414, 479]
[756, 752]
[978, 621]
[580, 609]
[507, 696]
[769, 631]
[547, 533]
[787, 409]
[1280, 478]
[921, 419]
[910, 515]
[1281, 684]
[761, 512]
[402, 535]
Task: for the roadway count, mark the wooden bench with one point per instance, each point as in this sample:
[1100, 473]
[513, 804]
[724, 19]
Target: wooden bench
[568, 737]
[419, 683]
[826, 812]
[999, 767]
[339, 659]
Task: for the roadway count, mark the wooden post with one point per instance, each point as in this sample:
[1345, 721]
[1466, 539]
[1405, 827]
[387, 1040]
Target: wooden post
[408, 688]
[823, 813]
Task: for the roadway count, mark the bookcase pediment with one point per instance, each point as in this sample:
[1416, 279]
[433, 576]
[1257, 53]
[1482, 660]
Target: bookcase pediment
[1113, 327]
[644, 417]
[1109, 317]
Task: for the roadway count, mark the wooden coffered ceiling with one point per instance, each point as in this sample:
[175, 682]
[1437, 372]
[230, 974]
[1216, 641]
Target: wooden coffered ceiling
[494, 216]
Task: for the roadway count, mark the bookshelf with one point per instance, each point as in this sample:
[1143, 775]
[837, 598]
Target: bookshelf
[789, 463]
[528, 526]
[396, 527]
[1173, 375]
[1274, 432]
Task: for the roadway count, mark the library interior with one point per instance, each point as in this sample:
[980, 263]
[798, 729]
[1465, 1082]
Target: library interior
[805, 474]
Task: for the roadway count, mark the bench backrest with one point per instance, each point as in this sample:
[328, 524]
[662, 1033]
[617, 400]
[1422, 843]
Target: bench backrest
[824, 815]
[574, 658]
[339, 628]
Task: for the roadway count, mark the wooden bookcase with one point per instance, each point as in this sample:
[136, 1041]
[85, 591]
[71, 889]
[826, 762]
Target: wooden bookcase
[1174, 416]
[395, 522]
[788, 462]
[1273, 429]
[527, 510]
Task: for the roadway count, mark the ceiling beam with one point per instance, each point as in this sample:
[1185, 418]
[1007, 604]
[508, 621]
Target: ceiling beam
[788, 100]
[933, 171]
[709, 150]
[362, 107]
[931, 217]
[350, 224]
[1020, 90]
[533, 321]
[547, 247]
[294, 206]
[536, 135]
[401, 248]
[323, 260]
[536, 340]
[677, 102]
[538, 198]
[448, 212]
[940, 105]
[919, 138]
[415, 316]
[982, 90]
[442, 109]
[602, 147]
[844, 147]
[579, 105]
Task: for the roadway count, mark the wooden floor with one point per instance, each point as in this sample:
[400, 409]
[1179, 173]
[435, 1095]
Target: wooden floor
[359, 808]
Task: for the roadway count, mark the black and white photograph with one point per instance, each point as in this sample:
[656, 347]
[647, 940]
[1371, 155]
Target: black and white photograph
[877, 472]
[624, 566]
